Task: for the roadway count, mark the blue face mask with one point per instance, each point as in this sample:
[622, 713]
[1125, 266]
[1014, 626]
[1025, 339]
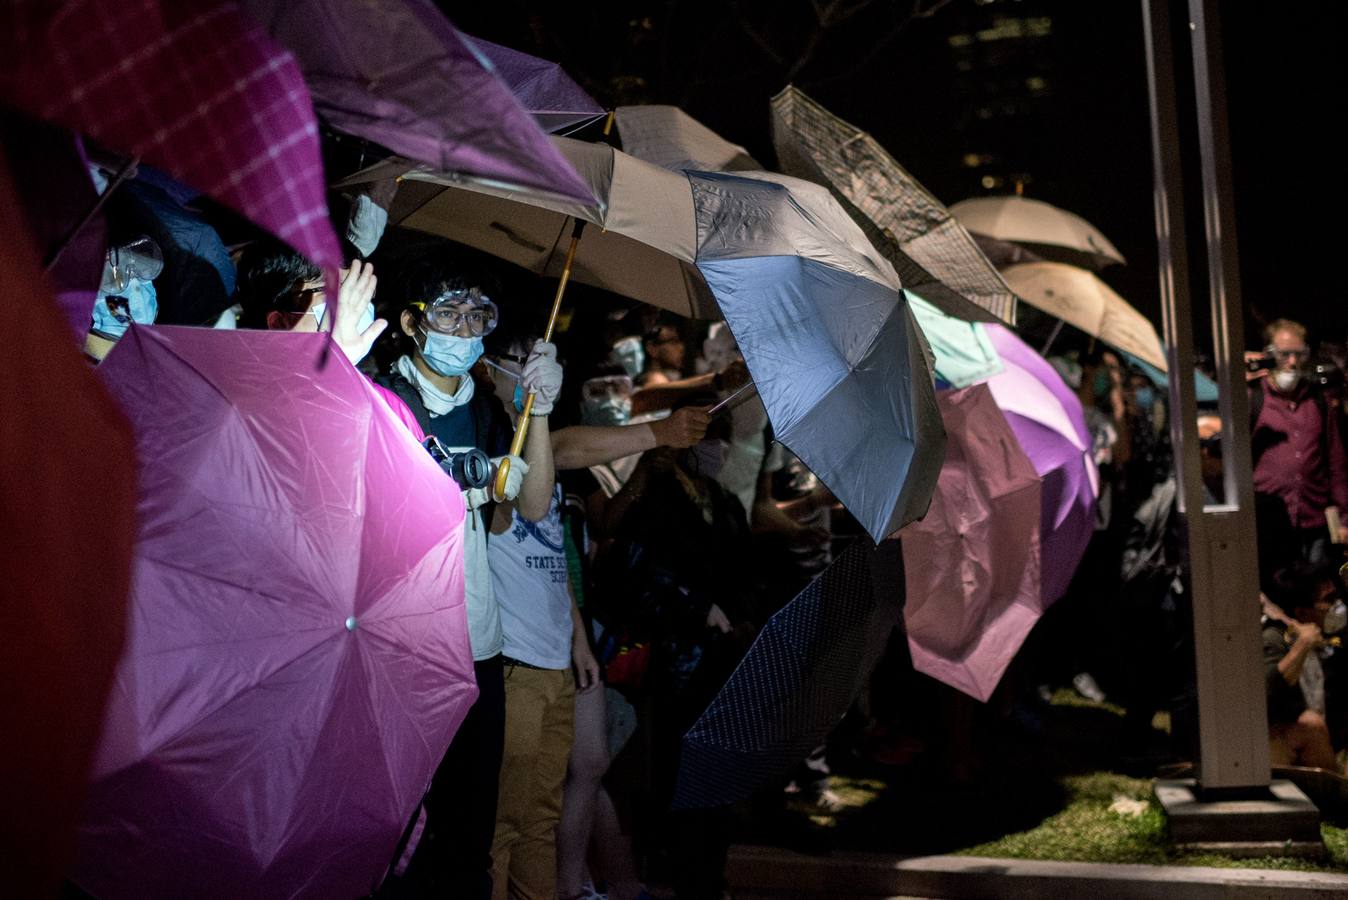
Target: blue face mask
[518, 397]
[1144, 397]
[606, 411]
[629, 354]
[114, 313]
[450, 355]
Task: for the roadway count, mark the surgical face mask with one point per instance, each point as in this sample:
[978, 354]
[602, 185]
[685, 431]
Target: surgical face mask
[1336, 619]
[631, 355]
[719, 349]
[1145, 397]
[518, 398]
[114, 313]
[606, 411]
[319, 311]
[450, 355]
[1286, 379]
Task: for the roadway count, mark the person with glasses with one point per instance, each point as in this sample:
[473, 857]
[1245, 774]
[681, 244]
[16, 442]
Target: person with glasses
[446, 310]
[1300, 466]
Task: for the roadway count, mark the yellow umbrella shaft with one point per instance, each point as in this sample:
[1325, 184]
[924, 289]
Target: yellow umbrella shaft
[522, 427]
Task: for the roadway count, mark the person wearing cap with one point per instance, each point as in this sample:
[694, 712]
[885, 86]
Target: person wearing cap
[446, 309]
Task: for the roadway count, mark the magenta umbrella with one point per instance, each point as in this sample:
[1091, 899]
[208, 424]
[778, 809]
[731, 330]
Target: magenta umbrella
[397, 73]
[972, 564]
[297, 653]
[190, 86]
[1050, 426]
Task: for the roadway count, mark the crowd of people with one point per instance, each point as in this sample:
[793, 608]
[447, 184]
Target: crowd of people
[650, 524]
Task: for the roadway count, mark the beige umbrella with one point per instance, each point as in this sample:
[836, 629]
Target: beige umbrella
[642, 248]
[1081, 299]
[672, 139]
[1049, 232]
[932, 252]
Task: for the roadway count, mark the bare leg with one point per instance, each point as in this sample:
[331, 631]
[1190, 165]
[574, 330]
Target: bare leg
[613, 854]
[589, 762]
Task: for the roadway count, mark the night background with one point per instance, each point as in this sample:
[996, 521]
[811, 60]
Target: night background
[973, 96]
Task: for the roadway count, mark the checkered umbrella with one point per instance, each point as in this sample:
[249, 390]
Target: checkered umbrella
[930, 250]
[189, 86]
[797, 680]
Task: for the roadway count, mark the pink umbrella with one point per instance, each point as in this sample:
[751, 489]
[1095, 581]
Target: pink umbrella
[190, 86]
[1050, 425]
[972, 565]
[297, 653]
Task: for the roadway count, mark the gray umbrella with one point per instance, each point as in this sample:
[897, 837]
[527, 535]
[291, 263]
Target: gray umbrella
[933, 254]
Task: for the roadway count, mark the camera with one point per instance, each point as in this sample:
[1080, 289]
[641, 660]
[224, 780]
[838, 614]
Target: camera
[1327, 376]
[1264, 362]
[469, 468]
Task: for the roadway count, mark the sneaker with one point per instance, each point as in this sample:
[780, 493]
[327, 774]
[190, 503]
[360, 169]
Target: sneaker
[1087, 687]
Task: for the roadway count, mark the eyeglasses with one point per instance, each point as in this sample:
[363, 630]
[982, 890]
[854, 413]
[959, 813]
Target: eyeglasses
[1299, 352]
[606, 386]
[447, 313]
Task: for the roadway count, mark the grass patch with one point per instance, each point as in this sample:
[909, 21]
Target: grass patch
[1096, 826]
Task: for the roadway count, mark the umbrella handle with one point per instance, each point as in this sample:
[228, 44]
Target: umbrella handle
[522, 427]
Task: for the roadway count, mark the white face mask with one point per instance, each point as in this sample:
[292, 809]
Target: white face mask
[1336, 619]
[1286, 379]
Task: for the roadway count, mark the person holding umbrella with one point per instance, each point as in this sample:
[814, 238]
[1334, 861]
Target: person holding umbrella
[446, 309]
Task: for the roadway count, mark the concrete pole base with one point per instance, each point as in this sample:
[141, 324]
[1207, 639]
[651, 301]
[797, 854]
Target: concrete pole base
[1278, 821]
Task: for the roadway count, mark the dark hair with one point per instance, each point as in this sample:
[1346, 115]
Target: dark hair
[268, 271]
[421, 279]
[1295, 585]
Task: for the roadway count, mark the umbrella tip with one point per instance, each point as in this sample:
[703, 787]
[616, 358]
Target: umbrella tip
[350, 623]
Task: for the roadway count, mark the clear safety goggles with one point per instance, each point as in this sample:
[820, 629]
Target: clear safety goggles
[606, 386]
[456, 311]
[137, 260]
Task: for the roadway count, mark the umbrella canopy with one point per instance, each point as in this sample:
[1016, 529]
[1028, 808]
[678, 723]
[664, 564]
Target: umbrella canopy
[1049, 232]
[67, 506]
[543, 88]
[1050, 427]
[643, 248]
[932, 252]
[1205, 389]
[828, 337]
[972, 564]
[962, 352]
[234, 121]
[669, 137]
[797, 680]
[1081, 299]
[397, 73]
[297, 657]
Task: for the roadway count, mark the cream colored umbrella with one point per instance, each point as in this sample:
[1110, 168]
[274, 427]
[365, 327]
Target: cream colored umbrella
[1081, 299]
[1049, 232]
[672, 139]
[642, 247]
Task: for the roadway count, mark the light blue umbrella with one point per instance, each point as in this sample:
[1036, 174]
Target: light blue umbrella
[963, 353]
[1205, 389]
[831, 342]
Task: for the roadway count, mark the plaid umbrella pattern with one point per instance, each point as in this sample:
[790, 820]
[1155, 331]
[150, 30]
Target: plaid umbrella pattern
[930, 250]
[189, 86]
[796, 681]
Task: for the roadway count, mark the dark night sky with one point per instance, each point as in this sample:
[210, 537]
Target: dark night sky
[1061, 104]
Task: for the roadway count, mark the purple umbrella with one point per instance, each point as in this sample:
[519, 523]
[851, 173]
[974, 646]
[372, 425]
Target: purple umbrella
[972, 564]
[397, 73]
[297, 655]
[556, 102]
[1051, 428]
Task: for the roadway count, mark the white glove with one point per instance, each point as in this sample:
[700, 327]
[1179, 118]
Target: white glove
[518, 469]
[542, 376]
[475, 498]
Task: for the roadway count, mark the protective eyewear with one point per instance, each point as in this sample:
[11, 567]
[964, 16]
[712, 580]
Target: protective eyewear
[457, 311]
[606, 386]
[139, 259]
